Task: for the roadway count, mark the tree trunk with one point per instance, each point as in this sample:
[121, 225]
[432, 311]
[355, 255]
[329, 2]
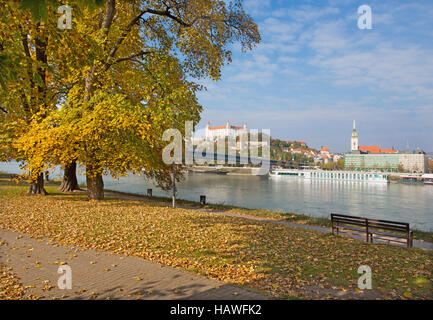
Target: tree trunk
[69, 182]
[95, 187]
[37, 187]
[173, 204]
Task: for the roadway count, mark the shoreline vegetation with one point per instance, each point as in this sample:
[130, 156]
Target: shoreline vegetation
[258, 212]
[283, 261]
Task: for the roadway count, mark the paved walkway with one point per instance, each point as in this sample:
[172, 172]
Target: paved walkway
[416, 243]
[102, 275]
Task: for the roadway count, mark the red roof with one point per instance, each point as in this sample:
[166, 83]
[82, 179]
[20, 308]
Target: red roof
[223, 127]
[376, 149]
[387, 151]
[324, 149]
[371, 149]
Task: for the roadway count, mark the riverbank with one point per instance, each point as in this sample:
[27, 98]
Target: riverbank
[230, 171]
[395, 201]
[291, 217]
[284, 261]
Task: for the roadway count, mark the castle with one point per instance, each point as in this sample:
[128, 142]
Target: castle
[214, 133]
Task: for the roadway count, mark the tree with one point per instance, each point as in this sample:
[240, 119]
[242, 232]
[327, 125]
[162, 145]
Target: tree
[27, 90]
[126, 83]
[69, 182]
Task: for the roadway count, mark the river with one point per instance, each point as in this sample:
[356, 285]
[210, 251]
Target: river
[395, 201]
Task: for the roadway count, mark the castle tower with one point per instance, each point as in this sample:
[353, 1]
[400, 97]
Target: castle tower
[207, 132]
[354, 140]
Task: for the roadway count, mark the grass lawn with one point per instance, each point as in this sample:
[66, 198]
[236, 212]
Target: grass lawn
[284, 261]
[269, 214]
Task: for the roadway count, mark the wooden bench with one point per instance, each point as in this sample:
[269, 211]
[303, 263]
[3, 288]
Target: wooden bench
[391, 231]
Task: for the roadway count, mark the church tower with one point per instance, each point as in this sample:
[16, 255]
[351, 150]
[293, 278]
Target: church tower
[354, 140]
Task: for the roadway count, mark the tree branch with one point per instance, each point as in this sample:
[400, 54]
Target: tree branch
[167, 13]
[109, 14]
[133, 22]
[4, 110]
[140, 54]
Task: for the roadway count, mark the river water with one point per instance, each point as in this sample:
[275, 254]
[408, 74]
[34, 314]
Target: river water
[395, 201]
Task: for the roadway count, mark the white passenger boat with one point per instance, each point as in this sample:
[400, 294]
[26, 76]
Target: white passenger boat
[377, 177]
[286, 173]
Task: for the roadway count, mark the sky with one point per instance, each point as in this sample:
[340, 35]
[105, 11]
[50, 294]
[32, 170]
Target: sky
[315, 71]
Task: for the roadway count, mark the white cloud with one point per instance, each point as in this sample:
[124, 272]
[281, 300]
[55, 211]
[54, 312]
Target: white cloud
[315, 72]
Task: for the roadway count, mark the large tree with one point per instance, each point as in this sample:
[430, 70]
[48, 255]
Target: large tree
[27, 91]
[125, 66]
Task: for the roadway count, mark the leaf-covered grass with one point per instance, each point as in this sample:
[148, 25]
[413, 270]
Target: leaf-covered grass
[269, 214]
[284, 261]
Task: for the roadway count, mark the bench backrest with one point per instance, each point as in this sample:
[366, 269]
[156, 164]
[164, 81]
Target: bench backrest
[371, 223]
[344, 219]
[388, 225]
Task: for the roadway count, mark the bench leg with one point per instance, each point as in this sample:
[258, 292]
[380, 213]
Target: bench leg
[410, 240]
[334, 230]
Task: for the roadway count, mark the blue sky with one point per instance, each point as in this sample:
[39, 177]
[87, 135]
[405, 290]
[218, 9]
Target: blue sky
[315, 71]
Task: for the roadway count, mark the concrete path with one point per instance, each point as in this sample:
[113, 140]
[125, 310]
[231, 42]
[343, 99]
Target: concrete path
[416, 243]
[102, 275]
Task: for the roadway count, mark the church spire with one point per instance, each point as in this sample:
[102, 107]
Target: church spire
[354, 133]
[354, 140]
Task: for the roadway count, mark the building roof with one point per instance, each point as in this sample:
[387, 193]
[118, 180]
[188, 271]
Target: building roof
[217, 128]
[412, 152]
[224, 127]
[388, 151]
[376, 149]
[371, 149]
[324, 149]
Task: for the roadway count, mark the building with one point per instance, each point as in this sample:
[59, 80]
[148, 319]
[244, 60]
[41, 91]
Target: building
[369, 161]
[366, 149]
[414, 161]
[214, 133]
[354, 139]
[374, 158]
[325, 151]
